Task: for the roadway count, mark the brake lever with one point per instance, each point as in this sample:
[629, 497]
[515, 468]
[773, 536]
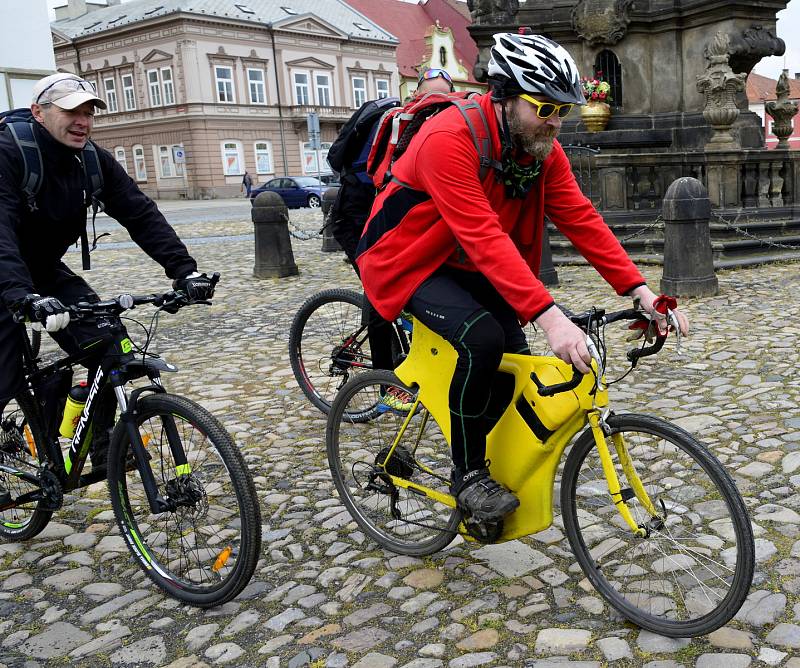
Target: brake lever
[672, 319]
[596, 355]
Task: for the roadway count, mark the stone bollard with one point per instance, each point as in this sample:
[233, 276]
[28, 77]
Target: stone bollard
[328, 242]
[688, 260]
[274, 256]
[547, 272]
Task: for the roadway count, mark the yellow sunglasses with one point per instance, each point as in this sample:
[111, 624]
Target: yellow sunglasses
[545, 110]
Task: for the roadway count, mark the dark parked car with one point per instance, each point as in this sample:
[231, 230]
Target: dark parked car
[330, 180]
[296, 191]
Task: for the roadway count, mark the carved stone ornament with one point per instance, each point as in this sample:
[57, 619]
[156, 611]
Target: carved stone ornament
[751, 45]
[720, 85]
[493, 12]
[782, 111]
[601, 21]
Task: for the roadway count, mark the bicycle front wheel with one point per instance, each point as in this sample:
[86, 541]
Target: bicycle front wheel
[692, 571]
[364, 423]
[22, 440]
[328, 344]
[203, 550]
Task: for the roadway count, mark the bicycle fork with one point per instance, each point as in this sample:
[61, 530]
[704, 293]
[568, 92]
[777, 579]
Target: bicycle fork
[158, 504]
[618, 495]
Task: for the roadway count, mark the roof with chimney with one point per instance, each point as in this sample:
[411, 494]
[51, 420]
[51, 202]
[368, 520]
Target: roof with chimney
[275, 13]
[411, 23]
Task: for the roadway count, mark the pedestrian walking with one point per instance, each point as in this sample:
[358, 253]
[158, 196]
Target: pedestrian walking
[247, 184]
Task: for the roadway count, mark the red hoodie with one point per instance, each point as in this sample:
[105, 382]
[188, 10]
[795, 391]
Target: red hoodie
[413, 230]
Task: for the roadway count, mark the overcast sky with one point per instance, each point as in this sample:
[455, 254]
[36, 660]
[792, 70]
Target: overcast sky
[788, 25]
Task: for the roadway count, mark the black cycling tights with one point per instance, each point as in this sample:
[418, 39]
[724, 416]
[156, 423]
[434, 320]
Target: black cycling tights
[464, 308]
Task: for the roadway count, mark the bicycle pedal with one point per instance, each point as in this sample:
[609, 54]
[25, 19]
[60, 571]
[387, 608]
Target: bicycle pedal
[484, 532]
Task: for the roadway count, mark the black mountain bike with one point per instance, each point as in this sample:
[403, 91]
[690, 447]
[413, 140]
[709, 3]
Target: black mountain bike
[181, 492]
[328, 343]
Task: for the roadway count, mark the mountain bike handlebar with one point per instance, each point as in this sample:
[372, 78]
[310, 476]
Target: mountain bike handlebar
[171, 300]
[595, 319]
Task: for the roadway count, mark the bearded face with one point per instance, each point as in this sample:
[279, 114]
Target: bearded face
[530, 133]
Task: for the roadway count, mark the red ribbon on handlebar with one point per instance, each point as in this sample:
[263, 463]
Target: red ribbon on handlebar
[664, 303]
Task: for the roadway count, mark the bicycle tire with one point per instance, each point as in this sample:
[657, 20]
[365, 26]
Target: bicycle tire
[207, 578]
[359, 433]
[320, 326]
[706, 525]
[21, 427]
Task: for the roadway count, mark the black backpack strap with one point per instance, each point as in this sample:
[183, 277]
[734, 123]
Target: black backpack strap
[94, 186]
[22, 133]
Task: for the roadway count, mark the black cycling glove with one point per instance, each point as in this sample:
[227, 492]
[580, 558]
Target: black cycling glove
[197, 287]
[47, 311]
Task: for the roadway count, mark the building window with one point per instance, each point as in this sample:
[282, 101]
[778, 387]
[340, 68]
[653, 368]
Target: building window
[323, 85]
[263, 157]
[128, 93]
[310, 164]
[301, 96]
[119, 154]
[232, 158]
[111, 95]
[382, 86]
[224, 84]
[138, 163]
[255, 82]
[165, 160]
[167, 85]
[443, 56]
[359, 91]
[607, 64]
[154, 86]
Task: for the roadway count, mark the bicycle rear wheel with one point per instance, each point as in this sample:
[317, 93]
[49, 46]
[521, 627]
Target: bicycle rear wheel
[328, 344]
[364, 422]
[21, 440]
[692, 572]
[204, 550]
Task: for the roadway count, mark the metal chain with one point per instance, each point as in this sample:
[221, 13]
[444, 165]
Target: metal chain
[735, 228]
[303, 235]
[658, 222]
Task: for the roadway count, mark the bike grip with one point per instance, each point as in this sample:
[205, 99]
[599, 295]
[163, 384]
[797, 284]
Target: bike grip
[214, 278]
[550, 390]
[635, 354]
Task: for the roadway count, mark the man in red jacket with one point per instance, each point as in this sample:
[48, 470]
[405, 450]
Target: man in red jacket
[463, 254]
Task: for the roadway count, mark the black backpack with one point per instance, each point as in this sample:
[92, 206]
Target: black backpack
[348, 156]
[19, 123]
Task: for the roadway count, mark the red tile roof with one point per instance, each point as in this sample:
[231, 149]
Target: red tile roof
[761, 88]
[410, 23]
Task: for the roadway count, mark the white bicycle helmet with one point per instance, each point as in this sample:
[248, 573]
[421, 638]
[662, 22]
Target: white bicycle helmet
[527, 63]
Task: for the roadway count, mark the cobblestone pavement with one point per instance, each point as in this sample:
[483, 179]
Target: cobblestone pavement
[323, 594]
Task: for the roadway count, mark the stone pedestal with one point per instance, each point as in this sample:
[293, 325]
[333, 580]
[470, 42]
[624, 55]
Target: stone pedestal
[688, 260]
[329, 244]
[273, 247]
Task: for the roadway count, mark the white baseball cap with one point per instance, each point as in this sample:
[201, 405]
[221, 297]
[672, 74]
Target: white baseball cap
[66, 91]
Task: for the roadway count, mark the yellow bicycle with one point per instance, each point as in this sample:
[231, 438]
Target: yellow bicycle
[652, 517]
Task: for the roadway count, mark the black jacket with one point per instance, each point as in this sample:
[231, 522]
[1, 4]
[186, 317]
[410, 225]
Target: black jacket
[33, 243]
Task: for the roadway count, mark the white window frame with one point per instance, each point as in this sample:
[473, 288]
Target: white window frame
[323, 93]
[305, 99]
[224, 85]
[112, 102]
[139, 164]
[119, 156]
[232, 148]
[164, 158]
[167, 86]
[128, 92]
[309, 158]
[257, 86]
[261, 149]
[154, 88]
[382, 93]
[360, 92]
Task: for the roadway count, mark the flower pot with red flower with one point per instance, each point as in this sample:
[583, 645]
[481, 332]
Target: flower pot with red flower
[596, 112]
